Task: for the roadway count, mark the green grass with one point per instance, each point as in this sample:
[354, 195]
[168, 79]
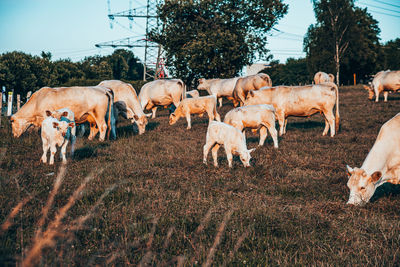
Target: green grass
[288, 209]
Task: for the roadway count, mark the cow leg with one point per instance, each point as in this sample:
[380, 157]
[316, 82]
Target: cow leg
[274, 134]
[101, 125]
[214, 152]
[326, 129]
[189, 124]
[46, 147]
[263, 135]
[376, 96]
[220, 101]
[63, 152]
[281, 121]
[385, 95]
[284, 127]
[331, 120]
[53, 151]
[229, 155]
[93, 130]
[206, 149]
[216, 115]
[153, 110]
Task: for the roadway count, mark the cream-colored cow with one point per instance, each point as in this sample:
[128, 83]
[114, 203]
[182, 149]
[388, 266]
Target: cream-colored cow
[381, 165]
[323, 77]
[254, 117]
[161, 93]
[300, 101]
[87, 103]
[219, 87]
[233, 140]
[384, 81]
[249, 83]
[197, 105]
[192, 94]
[126, 103]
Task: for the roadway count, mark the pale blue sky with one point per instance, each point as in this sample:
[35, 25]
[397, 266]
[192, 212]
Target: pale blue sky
[70, 29]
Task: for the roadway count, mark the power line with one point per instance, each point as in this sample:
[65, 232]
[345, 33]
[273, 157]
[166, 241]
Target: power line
[387, 9]
[383, 13]
[386, 3]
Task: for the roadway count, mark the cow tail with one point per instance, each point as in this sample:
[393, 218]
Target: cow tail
[337, 116]
[110, 106]
[183, 90]
[216, 115]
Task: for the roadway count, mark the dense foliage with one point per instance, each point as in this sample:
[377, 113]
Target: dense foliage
[23, 72]
[343, 41]
[294, 72]
[215, 38]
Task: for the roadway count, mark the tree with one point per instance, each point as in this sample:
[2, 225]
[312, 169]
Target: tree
[206, 38]
[391, 55]
[294, 72]
[342, 33]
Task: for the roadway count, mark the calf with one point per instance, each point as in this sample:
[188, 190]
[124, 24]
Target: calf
[219, 87]
[197, 105]
[381, 165]
[65, 114]
[53, 133]
[234, 141]
[300, 101]
[254, 117]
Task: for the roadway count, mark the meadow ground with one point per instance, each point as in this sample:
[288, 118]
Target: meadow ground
[149, 199]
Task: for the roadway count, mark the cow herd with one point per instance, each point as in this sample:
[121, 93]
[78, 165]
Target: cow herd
[57, 111]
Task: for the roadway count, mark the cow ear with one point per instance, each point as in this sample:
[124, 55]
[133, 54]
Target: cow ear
[366, 87]
[48, 113]
[251, 93]
[376, 176]
[71, 124]
[350, 170]
[200, 80]
[55, 125]
[172, 115]
[136, 117]
[65, 114]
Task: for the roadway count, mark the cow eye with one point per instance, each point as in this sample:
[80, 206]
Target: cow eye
[362, 188]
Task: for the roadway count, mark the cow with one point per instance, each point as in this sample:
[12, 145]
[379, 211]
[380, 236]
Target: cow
[65, 114]
[381, 165]
[233, 140]
[249, 83]
[300, 101]
[126, 103]
[322, 77]
[254, 117]
[161, 93]
[87, 103]
[54, 134]
[197, 105]
[384, 81]
[192, 94]
[219, 87]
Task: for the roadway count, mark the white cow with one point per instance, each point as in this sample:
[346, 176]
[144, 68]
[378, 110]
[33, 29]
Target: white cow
[65, 114]
[254, 117]
[53, 134]
[219, 87]
[234, 141]
[381, 165]
[199, 105]
[192, 94]
[323, 77]
[384, 81]
[161, 93]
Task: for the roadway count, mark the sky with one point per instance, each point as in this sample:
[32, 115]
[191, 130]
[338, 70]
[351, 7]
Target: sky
[71, 28]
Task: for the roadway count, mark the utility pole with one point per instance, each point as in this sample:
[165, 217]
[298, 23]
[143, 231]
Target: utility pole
[152, 50]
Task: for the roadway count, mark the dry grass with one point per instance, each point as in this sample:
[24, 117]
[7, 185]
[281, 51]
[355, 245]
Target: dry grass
[170, 209]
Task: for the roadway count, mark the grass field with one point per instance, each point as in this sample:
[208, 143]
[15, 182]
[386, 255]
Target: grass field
[149, 199]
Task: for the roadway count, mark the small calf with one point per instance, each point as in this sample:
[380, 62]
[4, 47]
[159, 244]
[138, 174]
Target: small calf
[197, 105]
[65, 114]
[53, 133]
[254, 117]
[234, 141]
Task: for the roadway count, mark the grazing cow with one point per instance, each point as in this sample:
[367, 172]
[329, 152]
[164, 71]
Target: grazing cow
[161, 93]
[384, 81]
[65, 114]
[87, 103]
[54, 133]
[322, 77]
[300, 101]
[219, 87]
[234, 141]
[249, 83]
[197, 105]
[192, 94]
[126, 103]
[254, 117]
[381, 165]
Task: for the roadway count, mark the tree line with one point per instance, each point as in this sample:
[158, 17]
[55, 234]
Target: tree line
[23, 72]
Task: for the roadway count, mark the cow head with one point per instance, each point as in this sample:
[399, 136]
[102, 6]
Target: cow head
[19, 125]
[370, 91]
[203, 85]
[62, 127]
[173, 118]
[245, 157]
[362, 185]
[141, 123]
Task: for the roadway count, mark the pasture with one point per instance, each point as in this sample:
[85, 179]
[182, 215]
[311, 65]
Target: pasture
[151, 200]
